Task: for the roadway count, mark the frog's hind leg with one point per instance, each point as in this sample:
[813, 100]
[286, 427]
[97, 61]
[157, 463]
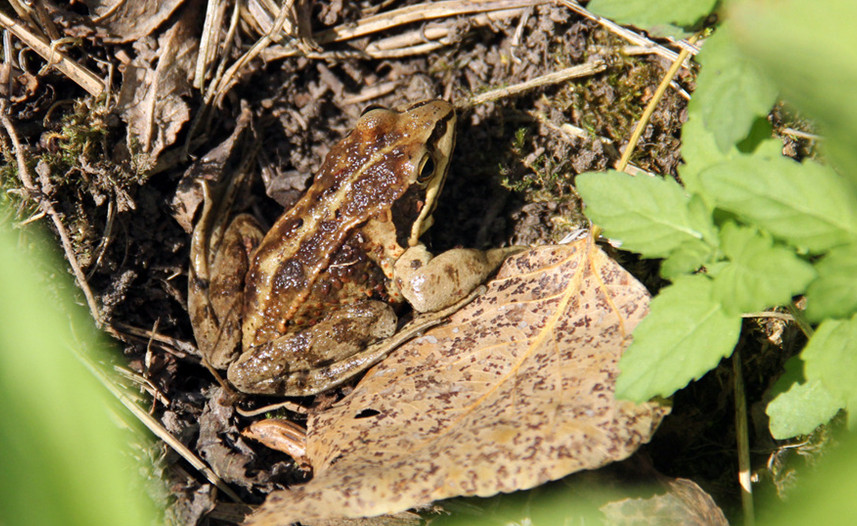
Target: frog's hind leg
[319, 357]
[216, 287]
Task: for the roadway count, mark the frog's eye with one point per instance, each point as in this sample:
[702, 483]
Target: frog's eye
[426, 170]
[370, 108]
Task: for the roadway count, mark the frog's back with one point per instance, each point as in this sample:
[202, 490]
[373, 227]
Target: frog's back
[313, 259]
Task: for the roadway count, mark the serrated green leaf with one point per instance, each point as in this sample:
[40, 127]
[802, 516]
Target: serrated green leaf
[700, 152]
[687, 258]
[731, 92]
[657, 15]
[834, 293]
[801, 409]
[758, 274]
[831, 358]
[649, 215]
[810, 50]
[807, 205]
[685, 334]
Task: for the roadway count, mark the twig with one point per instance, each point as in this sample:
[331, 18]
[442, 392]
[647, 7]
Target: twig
[582, 70]
[174, 346]
[801, 134]
[650, 107]
[81, 75]
[370, 92]
[289, 406]
[47, 207]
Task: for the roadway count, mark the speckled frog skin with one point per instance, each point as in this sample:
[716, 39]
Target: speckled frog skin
[302, 308]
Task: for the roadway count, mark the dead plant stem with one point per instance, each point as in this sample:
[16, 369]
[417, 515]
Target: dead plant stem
[581, 70]
[650, 107]
[81, 75]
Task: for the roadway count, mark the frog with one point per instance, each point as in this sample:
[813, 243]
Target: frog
[315, 300]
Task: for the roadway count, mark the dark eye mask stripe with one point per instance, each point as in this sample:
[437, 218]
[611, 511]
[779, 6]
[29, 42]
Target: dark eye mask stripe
[438, 132]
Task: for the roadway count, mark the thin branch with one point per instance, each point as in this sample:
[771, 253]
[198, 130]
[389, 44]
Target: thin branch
[418, 13]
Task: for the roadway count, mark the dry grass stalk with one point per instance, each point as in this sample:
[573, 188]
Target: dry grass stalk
[81, 75]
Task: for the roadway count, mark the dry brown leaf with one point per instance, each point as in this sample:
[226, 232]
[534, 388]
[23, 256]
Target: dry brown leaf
[214, 166]
[516, 390]
[151, 99]
[129, 21]
[684, 504]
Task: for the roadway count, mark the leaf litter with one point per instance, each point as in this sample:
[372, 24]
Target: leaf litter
[516, 390]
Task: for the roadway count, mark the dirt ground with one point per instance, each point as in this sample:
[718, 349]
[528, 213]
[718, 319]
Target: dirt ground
[118, 170]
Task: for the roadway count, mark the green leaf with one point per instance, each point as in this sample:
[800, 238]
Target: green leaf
[731, 93]
[649, 215]
[834, 293]
[831, 358]
[700, 152]
[807, 205]
[801, 409]
[65, 460]
[758, 274]
[649, 15]
[685, 334]
[687, 258]
[810, 50]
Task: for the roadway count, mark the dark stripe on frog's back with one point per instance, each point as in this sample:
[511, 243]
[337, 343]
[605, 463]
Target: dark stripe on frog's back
[305, 259]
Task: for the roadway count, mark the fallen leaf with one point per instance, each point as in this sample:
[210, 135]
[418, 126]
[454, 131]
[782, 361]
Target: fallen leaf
[215, 166]
[129, 21]
[228, 461]
[684, 504]
[516, 390]
[153, 86]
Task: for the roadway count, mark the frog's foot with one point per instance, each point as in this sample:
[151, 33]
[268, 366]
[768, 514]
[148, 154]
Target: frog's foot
[433, 283]
[317, 358]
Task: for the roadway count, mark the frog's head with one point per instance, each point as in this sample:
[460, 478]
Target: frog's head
[418, 141]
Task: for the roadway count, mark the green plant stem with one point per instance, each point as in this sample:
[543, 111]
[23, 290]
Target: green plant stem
[741, 437]
[800, 319]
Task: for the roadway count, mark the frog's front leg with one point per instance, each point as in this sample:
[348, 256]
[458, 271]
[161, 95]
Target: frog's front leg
[319, 357]
[430, 283]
